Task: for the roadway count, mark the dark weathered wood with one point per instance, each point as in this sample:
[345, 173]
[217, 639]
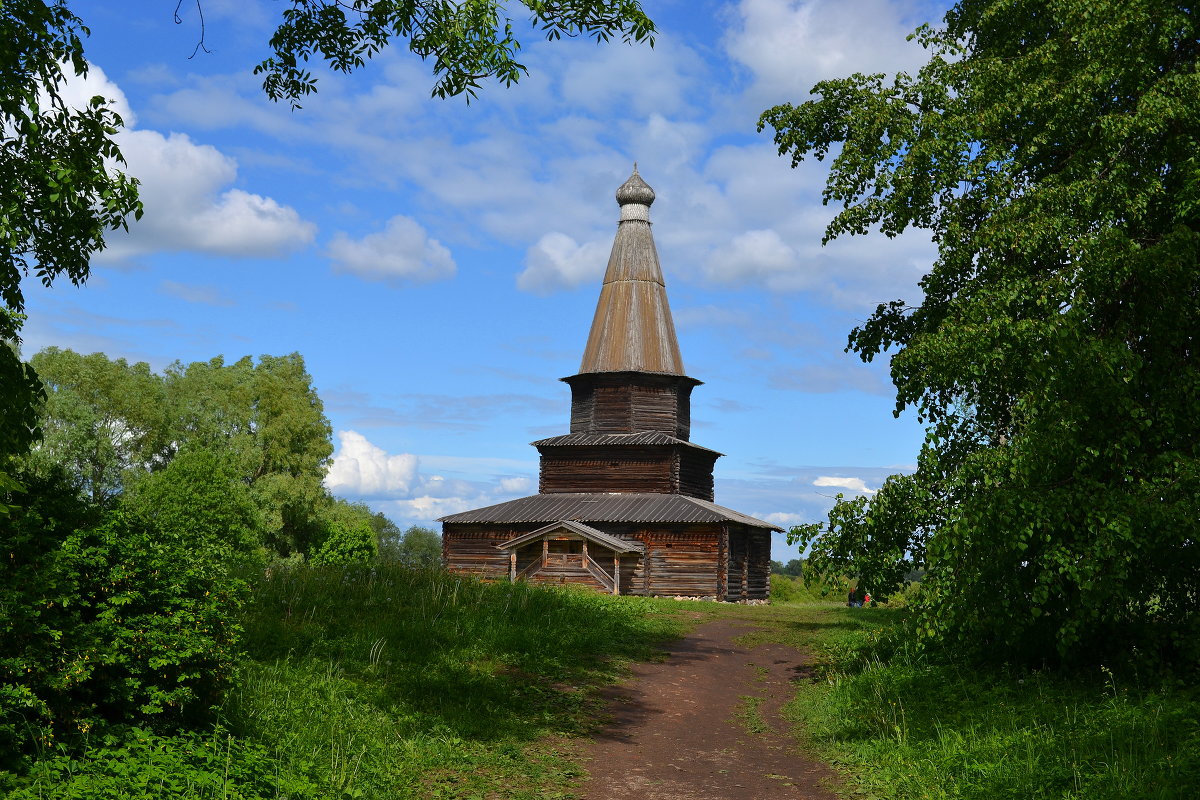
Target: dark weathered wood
[628, 402]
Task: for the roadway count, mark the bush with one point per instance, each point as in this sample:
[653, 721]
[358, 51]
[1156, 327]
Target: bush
[137, 764]
[104, 621]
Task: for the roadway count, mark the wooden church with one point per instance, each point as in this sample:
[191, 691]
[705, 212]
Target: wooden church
[625, 500]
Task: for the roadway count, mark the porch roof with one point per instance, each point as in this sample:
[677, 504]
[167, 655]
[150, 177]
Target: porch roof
[601, 538]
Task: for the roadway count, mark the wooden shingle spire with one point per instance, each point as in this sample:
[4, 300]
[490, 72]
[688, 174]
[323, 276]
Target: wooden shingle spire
[632, 330]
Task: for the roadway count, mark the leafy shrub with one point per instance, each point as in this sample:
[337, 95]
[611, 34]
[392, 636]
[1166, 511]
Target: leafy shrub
[104, 620]
[136, 764]
[786, 589]
[345, 544]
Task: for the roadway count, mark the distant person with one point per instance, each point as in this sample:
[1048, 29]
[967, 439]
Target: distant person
[866, 598]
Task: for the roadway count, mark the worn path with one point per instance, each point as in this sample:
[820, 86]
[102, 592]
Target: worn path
[678, 729]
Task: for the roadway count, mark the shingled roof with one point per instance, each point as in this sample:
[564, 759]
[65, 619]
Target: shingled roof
[591, 507]
[632, 329]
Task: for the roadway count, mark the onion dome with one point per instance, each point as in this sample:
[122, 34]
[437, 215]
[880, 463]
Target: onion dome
[635, 190]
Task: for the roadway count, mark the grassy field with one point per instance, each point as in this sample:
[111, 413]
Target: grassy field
[384, 682]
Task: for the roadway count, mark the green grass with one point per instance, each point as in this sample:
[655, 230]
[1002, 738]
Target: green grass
[899, 725]
[387, 682]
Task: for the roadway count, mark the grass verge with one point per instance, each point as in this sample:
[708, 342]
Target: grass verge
[902, 726]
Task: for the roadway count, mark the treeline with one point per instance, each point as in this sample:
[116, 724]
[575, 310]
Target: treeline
[133, 525]
[240, 449]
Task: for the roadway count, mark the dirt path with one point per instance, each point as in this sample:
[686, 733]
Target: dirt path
[678, 728]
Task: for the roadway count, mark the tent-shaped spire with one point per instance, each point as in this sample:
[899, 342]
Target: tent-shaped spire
[633, 330]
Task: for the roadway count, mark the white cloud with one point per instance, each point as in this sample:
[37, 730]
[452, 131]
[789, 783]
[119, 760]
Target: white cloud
[557, 261]
[401, 253]
[78, 90]
[363, 470]
[519, 485]
[760, 256]
[639, 78]
[789, 45]
[850, 484]
[783, 519]
[187, 207]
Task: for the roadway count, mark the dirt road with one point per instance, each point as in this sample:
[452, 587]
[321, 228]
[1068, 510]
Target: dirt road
[705, 724]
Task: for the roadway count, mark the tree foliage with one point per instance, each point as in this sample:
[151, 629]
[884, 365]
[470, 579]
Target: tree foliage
[468, 41]
[203, 435]
[62, 188]
[101, 418]
[417, 546]
[1050, 148]
[104, 619]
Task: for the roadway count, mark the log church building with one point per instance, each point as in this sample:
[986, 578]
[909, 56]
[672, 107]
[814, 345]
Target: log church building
[625, 499]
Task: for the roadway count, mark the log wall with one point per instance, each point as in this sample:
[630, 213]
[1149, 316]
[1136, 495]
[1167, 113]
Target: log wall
[472, 548]
[749, 565]
[631, 403]
[729, 562]
[680, 560]
[606, 469]
[694, 473]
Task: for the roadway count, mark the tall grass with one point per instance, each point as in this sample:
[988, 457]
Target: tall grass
[399, 682]
[386, 682]
[904, 726]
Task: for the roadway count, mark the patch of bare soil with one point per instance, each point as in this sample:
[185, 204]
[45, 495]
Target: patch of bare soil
[705, 723]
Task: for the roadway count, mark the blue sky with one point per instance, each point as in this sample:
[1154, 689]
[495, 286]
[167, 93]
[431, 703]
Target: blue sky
[437, 263]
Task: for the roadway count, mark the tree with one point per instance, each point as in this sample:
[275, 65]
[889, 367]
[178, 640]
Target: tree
[200, 501]
[793, 568]
[62, 188]
[468, 41]
[113, 426]
[416, 547]
[1050, 147]
[100, 419]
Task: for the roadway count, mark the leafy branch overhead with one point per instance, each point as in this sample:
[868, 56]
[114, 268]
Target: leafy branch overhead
[469, 41]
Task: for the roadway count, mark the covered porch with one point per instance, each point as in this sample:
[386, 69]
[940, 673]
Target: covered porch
[569, 552]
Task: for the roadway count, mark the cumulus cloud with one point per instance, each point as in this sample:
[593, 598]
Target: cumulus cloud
[789, 45]
[79, 90]
[758, 257]
[364, 470]
[557, 261]
[187, 207]
[850, 484]
[401, 253]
